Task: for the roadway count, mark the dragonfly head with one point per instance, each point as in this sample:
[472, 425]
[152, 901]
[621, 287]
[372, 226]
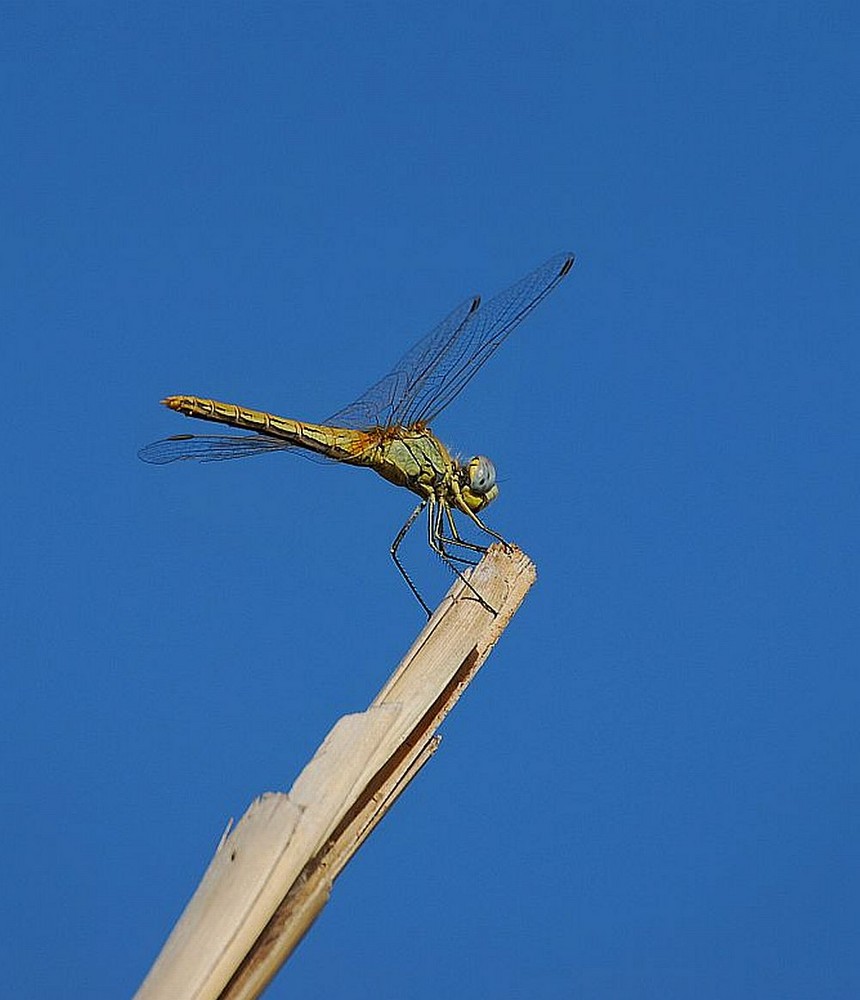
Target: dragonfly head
[478, 483]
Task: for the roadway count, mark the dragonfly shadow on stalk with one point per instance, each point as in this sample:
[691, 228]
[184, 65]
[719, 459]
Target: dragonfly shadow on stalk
[387, 429]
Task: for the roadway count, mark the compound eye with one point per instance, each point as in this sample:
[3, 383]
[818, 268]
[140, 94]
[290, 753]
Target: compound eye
[482, 475]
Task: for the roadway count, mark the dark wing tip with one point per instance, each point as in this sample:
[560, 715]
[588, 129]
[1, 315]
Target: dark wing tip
[152, 455]
[162, 452]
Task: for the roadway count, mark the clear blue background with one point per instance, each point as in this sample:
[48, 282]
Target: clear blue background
[651, 791]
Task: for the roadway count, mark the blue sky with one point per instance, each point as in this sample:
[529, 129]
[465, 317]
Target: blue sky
[651, 790]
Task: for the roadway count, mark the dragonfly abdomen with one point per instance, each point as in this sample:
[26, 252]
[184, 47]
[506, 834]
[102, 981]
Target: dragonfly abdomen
[340, 443]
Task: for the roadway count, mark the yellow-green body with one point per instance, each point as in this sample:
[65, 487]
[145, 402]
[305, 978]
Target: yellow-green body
[387, 428]
[412, 457]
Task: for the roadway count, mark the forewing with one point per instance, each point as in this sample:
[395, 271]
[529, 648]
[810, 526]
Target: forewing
[383, 401]
[422, 383]
[445, 371]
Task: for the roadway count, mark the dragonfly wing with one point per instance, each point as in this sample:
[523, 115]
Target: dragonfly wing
[209, 447]
[379, 406]
[422, 383]
[445, 371]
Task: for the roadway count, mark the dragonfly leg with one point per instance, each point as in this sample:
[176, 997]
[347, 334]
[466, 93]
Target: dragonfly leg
[443, 540]
[395, 545]
[436, 537]
[489, 531]
[455, 538]
[437, 541]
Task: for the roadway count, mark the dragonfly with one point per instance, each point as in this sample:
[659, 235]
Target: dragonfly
[387, 428]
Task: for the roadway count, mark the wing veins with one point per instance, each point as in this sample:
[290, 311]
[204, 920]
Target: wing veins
[488, 329]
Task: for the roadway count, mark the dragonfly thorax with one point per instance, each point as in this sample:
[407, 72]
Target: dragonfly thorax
[478, 483]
